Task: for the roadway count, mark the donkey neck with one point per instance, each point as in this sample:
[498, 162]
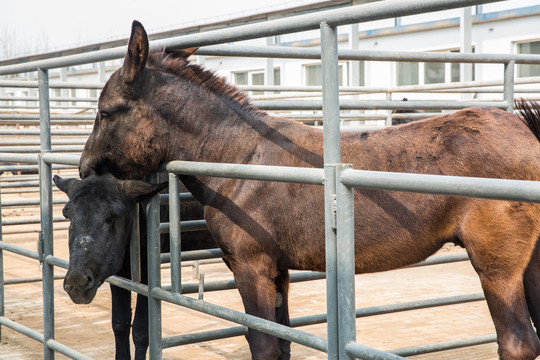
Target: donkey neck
[209, 127]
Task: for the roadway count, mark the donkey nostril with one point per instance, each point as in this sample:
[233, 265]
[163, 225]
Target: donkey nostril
[89, 282]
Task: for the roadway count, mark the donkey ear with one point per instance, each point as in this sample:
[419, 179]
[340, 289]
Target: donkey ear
[66, 185]
[185, 53]
[139, 190]
[137, 53]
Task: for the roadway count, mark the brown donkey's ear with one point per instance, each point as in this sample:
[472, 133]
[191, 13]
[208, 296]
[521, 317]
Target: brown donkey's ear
[137, 53]
[139, 190]
[66, 185]
[185, 53]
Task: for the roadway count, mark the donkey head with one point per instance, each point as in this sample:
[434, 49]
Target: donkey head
[131, 122]
[123, 123]
[100, 210]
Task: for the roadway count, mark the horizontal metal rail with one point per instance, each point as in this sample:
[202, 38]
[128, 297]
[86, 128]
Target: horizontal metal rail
[28, 202]
[366, 55]
[65, 132]
[18, 142]
[321, 318]
[52, 85]
[51, 99]
[447, 345]
[52, 158]
[253, 322]
[497, 189]
[74, 117]
[19, 158]
[377, 104]
[19, 250]
[31, 279]
[36, 149]
[36, 335]
[364, 352]
[186, 225]
[29, 220]
[253, 172]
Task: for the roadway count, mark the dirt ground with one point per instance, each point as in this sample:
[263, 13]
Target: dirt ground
[87, 328]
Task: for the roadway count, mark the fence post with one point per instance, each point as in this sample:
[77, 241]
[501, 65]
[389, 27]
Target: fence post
[332, 156]
[174, 233]
[45, 181]
[135, 246]
[509, 85]
[154, 276]
[345, 261]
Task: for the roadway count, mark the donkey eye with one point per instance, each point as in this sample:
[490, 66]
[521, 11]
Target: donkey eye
[104, 114]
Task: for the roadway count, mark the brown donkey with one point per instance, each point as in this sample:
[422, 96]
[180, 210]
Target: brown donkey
[159, 107]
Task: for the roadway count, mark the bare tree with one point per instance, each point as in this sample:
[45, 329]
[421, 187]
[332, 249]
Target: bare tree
[14, 44]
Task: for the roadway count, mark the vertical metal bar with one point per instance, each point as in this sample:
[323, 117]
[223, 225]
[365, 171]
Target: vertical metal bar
[174, 232]
[135, 246]
[465, 25]
[269, 68]
[509, 85]
[332, 156]
[154, 276]
[2, 283]
[388, 121]
[346, 261]
[329, 57]
[46, 211]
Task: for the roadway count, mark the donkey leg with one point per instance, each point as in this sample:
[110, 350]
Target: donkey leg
[508, 308]
[532, 287]
[282, 311]
[140, 320]
[121, 321]
[500, 258]
[140, 327]
[255, 283]
[500, 238]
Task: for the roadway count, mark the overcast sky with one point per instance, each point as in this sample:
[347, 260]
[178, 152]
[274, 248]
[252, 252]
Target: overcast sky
[30, 26]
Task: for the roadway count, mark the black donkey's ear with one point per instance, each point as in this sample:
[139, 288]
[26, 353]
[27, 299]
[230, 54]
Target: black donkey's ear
[66, 185]
[137, 190]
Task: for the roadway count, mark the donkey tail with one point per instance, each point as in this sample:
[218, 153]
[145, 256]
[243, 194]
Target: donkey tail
[529, 112]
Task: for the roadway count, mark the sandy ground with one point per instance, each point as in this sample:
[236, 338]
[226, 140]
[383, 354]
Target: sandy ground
[87, 328]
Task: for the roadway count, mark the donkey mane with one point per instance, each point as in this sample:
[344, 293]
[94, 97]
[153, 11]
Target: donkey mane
[175, 62]
[529, 112]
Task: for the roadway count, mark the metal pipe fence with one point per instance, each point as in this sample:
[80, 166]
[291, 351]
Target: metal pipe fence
[338, 180]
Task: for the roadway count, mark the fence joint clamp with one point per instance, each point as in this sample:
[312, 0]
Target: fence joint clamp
[40, 247]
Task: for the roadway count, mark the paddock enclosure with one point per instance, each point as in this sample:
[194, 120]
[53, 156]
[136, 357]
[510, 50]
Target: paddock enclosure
[440, 312]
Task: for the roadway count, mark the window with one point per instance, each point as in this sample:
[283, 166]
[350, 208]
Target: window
[314, 75]
[255, 78]
[407, 73]
[277, 76]
[241, 78]
[433, 73]
[524, 70]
